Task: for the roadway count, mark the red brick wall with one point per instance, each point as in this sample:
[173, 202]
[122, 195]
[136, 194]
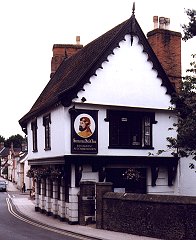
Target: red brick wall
[60, 51]
[167, 46]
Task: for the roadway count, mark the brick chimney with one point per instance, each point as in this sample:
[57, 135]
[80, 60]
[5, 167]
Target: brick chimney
[167, 47]
[61, 51]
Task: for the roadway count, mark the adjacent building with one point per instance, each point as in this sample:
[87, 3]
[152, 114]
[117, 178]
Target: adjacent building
[4, 152]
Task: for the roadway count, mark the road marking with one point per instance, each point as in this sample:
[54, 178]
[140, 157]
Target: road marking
[10, 209]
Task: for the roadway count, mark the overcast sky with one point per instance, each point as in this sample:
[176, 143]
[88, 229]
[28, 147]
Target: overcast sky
[29, 28]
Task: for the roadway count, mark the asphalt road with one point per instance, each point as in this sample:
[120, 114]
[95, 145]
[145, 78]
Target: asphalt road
[14, 226]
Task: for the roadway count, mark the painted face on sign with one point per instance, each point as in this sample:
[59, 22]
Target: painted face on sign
[84, 127]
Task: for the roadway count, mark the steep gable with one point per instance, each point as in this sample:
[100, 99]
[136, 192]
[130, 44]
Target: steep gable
[76, 70]
[126, 79]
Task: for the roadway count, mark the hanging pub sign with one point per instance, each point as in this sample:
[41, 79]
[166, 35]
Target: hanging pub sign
[84, 125]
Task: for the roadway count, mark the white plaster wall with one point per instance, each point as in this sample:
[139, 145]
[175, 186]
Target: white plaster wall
[27, 180]
[186, 177]
[127, 79]
[161, 183]
[161, 131]
[60, 135]
[73, 204]
[88, 175]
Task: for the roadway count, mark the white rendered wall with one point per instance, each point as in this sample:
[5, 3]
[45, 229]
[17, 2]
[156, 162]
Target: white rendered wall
[161, 131]
[27, 180]
[127, 79]
[186, 177]
[60, 135]
[161, 183]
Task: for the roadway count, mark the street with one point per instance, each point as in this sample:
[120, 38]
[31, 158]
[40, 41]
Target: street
[13, 226]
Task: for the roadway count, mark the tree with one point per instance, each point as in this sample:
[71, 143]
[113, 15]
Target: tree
[185, 107]
[16, 140]
[2, 139]
[190, 29]
[185, 102]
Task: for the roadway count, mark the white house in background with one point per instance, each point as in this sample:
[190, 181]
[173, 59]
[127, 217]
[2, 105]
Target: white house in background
[103, 110]
[4, 152]
[13, 158]
[22, 169]
[14, 164]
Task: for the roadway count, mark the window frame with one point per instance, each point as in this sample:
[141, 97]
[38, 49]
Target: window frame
[47, 131]
[34, 135]
[122, 137]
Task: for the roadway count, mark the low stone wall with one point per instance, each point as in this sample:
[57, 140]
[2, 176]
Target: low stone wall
[160, 216]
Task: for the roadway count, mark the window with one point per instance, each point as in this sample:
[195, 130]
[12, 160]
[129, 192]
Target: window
[46, 123]
[34, 134]
[130, 129]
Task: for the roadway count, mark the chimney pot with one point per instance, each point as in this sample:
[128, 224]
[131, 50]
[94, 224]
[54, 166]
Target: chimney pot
[78, 40]
[167, 23]
[162, 22]
[155, 21]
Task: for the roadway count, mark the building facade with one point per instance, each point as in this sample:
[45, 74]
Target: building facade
[103, 117]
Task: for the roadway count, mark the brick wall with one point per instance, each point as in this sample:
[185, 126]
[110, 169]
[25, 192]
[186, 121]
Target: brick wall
[101, 189]
[61, 51]
[86, 203]
[159, 216]
[167, 47]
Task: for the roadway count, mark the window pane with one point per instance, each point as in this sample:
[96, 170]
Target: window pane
[135, 130]
[124, 132]
[114, 131]
[146, 131]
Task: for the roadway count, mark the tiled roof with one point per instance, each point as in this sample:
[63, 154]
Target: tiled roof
[76, 70]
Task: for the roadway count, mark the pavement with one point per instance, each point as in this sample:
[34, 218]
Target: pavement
[25, 206]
